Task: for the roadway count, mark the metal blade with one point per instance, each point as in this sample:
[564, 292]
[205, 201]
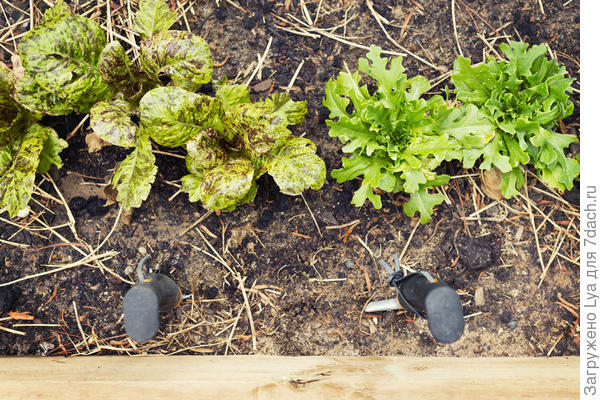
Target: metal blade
[387, 267]
[383, 305]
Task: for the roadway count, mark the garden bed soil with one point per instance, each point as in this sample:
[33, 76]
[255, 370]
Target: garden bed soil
[308, 264]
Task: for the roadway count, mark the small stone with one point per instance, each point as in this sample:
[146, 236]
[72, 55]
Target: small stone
[512, 324]
[479, 297]
[502, 274]
[130, 269]
[372, 327]
[505, 317]
[23, 213]
[142, 250]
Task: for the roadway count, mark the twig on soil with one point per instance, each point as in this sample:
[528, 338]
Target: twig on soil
[379, 19]
[289, 86]
[100, 257]
[543, 13]
[79, 125]
[346, 225]
[83, 335]
[15, 244]
[312, 215]
[199, 220]
[322, 32]
[407, 244]
[235, 323]
[555, 343]
[240, 280]
[16, 332]
[66, 206]
[557, 245]
[528, 202]
[166, 153]
[454, 25]
[261, 61]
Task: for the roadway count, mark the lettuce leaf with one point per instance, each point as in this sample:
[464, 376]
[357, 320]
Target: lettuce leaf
[223, 186]
[50, 152]
[111, 121]
[204, 152]
[181, 56]
[18, 164]
[118, 71]
[12, 115]
[396, 137]
[171, 115]
[61, 57]
[134, 177]
[295, 166]
[153, 17]
[229, 95]
[524, 99]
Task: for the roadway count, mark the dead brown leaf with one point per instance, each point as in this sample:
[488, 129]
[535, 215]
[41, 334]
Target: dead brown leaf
[490, 183]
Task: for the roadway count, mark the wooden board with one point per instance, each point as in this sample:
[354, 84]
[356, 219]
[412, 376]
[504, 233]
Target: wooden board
[269, 377]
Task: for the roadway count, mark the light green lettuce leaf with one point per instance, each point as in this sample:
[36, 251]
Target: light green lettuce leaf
[111, 121]
[50, 153]
[134, 177]
[336, 103]
[230, 94]
[295, 166]
[422, 202]
[153, 17]
[375, 175]
[182, 56]
[473, 83]
[387, 79]
[281, 104]
[467, 125]
[171, 115]
[512, 181]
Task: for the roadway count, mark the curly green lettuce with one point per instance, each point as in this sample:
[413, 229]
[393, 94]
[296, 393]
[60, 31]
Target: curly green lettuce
[396, 137]
[524, 98]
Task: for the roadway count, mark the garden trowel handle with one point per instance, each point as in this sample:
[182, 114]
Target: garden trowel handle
[432, 299]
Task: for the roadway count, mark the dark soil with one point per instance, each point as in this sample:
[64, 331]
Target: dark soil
[313, 283]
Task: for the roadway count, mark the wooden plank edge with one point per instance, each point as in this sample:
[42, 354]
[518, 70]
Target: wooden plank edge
[276, 377]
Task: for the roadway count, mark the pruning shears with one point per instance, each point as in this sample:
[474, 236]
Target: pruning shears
[152, 293]
[426, 296]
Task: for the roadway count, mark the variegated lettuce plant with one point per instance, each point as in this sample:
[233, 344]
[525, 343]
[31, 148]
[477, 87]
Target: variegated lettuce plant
[230, 141]
[60, 57]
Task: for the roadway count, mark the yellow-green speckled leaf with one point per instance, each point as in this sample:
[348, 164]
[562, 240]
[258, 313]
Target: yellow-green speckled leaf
[171, 115]
[134, 177]
[60, 57]
[153, 16]
[182, 56]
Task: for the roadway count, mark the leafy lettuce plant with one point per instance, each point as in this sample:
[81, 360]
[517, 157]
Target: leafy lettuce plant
[230, 141]
[26, 147]
[396, 137]
[61, 58]
[523, 98]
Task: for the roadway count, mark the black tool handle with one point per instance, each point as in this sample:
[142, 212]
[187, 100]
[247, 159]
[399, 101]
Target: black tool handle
[432, 299]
